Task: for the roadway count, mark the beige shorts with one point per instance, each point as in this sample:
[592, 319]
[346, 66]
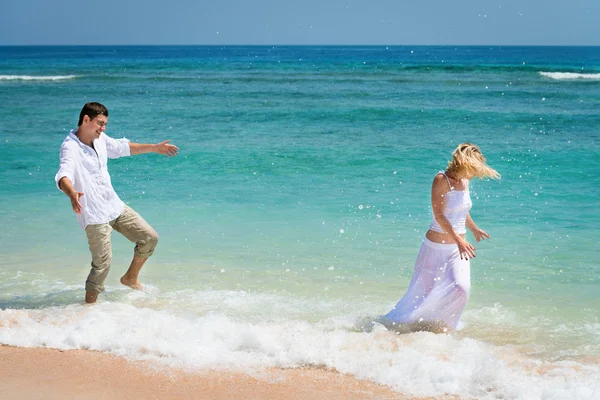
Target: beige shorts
[131, 225]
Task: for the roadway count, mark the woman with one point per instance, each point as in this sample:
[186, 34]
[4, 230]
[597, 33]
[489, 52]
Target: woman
[439, 288]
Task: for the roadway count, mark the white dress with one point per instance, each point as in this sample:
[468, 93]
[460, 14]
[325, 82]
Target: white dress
[441, 281]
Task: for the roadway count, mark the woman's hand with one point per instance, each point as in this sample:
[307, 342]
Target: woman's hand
[465, 249]
[479, 234]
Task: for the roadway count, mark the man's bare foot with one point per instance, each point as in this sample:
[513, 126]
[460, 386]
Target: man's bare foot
[132, 283]
[90, 297]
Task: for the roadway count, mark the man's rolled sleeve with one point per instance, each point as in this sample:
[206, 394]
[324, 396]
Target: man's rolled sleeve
[67, 166]
[116, 148]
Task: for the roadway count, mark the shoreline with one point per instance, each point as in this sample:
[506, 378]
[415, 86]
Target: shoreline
[49, 374]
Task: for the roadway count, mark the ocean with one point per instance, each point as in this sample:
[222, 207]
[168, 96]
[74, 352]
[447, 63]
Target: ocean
[298, 202]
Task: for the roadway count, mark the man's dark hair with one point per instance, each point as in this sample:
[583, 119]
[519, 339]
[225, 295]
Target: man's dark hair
[92, 110]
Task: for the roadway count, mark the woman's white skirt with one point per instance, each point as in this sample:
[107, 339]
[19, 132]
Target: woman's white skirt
[438, 291]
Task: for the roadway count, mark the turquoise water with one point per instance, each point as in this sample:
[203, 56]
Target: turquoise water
[298, 202]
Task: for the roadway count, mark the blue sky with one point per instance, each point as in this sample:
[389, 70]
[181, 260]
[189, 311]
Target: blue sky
[256, 22]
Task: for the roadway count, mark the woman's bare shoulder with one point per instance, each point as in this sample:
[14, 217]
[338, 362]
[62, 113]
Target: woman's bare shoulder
[440, 183]
[439, 177]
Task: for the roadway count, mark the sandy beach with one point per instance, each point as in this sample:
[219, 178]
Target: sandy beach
[34, 373]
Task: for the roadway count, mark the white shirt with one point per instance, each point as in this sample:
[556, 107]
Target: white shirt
[87, 170]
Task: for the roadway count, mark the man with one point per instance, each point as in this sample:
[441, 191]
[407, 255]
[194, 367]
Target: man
[83, 177]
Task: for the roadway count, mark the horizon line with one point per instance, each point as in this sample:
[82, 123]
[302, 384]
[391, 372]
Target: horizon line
[299, 45]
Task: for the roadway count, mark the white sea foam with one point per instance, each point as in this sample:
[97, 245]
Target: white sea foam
[420, 364]
[570, 76]
[36, 78]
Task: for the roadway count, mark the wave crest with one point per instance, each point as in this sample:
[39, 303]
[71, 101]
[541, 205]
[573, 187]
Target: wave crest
[36, 78]
[570, 76]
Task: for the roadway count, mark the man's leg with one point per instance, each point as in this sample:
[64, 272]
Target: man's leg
[137, 230]
[131, 276]
[101, 249]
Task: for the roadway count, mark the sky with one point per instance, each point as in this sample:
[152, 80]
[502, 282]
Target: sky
[301, 22]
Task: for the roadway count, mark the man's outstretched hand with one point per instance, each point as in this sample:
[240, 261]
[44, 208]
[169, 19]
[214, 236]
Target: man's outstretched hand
[167, 149]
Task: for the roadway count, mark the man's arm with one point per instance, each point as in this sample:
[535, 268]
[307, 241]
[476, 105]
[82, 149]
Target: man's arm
[66, 186]
[160, 148]
[66, 176]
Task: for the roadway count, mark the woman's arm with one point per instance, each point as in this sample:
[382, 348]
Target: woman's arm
[479, 234]
[439, 189]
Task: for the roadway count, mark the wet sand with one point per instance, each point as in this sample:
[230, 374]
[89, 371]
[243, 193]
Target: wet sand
[33, 373]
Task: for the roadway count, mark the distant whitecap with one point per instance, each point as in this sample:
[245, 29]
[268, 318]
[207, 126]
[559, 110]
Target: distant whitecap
[36, 78]
[570, 76]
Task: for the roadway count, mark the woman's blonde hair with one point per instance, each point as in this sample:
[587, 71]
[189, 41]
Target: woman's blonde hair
[468, 161]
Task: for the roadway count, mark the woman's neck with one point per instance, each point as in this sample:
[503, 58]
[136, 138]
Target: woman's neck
[452, 175]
